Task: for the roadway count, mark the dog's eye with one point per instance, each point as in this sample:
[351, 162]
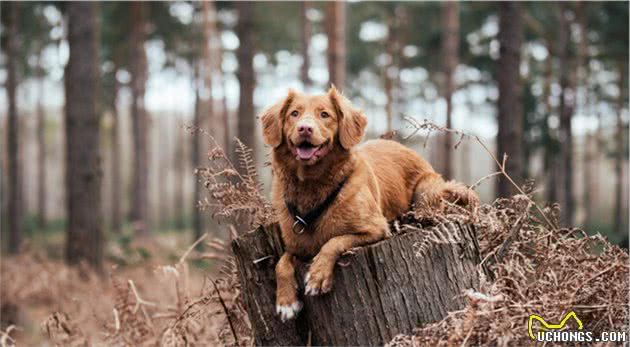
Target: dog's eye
[324, 115]
[294, 114]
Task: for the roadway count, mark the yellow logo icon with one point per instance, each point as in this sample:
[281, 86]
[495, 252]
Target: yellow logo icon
[546, 325]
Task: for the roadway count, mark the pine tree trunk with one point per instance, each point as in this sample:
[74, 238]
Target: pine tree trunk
[450, 45]
[246, 78]
[510, 120]
[182, 167]
[336, 32]
[380, 291]
[140, 121]
[306, 39]
[41, 153]
[620, 156]
[582, 64]
[389, 94]
[83, 166]
[115, 167]
[209, 69]
[549, 154]
[198, 226]
[567, 105]
[163, 198]
[14, 166]
[390, 71]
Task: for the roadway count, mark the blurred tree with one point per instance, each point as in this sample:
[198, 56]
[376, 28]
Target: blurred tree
[541, 29]
[140, 120]
[336, 32]
[306, 39]
[10, 12]
[116, 217]
[620, 144]
[32, 30]
[211, 52]
[396, 19]
[450, 45]
[567, 106]
[510, 107]
[198, 222]
[182, 167]
[588, 155]
[114, 45]
[41, 146]
[83, 166]
[246, 77]
[35, 31]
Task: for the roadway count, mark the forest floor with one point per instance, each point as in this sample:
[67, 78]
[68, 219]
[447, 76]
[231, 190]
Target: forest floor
[148, 283]
[159, 291]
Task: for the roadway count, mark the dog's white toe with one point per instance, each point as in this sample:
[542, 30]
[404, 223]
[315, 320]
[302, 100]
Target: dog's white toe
[312, 291]
[288, 312]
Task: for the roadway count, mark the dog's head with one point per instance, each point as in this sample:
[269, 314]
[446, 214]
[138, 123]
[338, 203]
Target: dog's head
[311, 126]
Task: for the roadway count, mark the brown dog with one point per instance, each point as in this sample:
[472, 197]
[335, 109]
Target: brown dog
[332, 195]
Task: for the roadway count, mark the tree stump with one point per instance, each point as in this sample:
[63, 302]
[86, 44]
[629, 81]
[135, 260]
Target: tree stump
[381, 290]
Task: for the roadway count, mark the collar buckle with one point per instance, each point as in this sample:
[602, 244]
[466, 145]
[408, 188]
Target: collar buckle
[299, 222]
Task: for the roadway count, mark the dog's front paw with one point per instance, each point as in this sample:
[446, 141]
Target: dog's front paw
[319, 279]
[288, 311]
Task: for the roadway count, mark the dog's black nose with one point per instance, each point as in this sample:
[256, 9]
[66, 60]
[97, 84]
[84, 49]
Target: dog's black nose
[305, 130]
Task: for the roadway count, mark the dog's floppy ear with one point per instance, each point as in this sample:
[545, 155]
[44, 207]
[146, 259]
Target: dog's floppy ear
[273, 118]
[352, 122]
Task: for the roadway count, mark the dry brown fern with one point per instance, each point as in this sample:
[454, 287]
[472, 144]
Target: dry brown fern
[536, 267]
[62, 331]
[235, 194]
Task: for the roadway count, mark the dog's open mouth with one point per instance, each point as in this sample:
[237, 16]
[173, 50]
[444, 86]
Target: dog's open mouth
[306, 150]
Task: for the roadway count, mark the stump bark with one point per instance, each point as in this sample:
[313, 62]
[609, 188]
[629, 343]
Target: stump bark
[381, 290]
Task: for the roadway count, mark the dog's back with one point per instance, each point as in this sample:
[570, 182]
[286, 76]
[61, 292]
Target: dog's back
[398, 170]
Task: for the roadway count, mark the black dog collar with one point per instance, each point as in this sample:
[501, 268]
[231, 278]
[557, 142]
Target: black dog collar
[304, 220]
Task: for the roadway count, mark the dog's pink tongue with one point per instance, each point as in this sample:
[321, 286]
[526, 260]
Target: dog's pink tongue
[306, 153]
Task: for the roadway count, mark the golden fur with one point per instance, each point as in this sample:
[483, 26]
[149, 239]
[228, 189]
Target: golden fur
[384, 178]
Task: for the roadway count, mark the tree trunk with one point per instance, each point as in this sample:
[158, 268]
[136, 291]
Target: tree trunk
[620, 155]
[550, 166]
[450, 45]
[224, 114]
[336, 32]
[382, 290]
[306, 39]
[246, 78]
[209, 68]
[389, 93]
[115, 167]
[510, 120]
[41, 152]
[196, 156]
[140, 121]
[391, 70]
[567, 104]
[83, 165]
[14, 166]
[582, 64]
[181, 168]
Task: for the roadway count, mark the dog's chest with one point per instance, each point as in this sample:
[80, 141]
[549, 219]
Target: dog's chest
[295, 200]
[306, 241]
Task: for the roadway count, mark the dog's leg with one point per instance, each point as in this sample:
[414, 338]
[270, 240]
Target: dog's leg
[287, 304]
[431, 189]
[319, 279]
